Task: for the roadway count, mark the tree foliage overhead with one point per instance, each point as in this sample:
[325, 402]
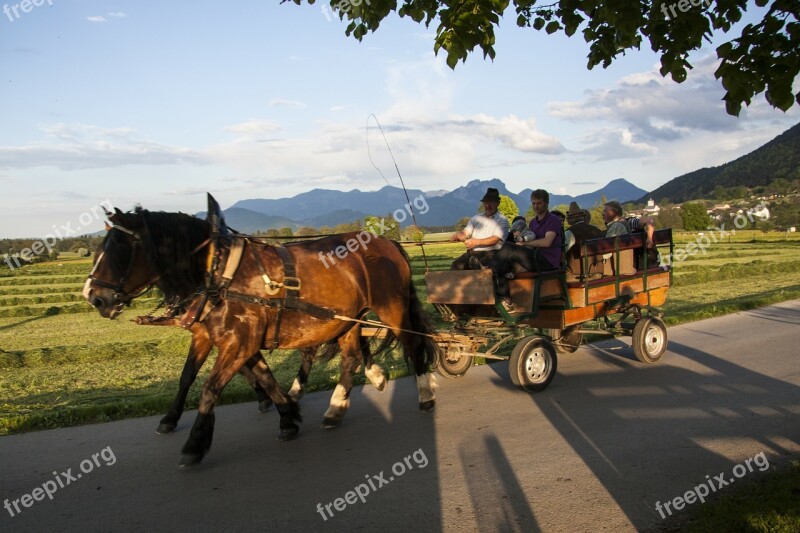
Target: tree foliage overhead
[764, 58]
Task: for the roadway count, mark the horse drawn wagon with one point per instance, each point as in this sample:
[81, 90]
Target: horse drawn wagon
[240, 295]
[612, 284]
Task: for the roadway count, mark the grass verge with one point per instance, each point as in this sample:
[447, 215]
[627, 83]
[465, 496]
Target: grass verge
[769, 504]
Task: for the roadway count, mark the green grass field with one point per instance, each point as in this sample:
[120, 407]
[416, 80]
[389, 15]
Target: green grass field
[62, 364]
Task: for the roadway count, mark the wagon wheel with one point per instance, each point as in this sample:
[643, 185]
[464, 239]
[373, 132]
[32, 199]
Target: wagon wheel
[567, 340]
[452, 363]
[533, 363]
[649, 339]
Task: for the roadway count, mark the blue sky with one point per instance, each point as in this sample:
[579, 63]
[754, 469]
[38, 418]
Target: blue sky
[157, 102]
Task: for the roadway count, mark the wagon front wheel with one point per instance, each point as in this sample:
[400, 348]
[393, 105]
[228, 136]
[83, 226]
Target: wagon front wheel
[533, 363]
[452, 361]
[649, 339]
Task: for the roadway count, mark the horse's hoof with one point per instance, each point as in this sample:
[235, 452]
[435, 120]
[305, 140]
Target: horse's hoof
[165, 429]
[190, 459]
[288, 433]
[427, 407]
[330, 423]
[264, 405]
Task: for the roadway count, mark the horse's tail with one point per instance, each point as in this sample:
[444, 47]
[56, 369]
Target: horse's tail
[421, 325]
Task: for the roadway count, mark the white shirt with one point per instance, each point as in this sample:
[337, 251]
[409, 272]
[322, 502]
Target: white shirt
[482, 227]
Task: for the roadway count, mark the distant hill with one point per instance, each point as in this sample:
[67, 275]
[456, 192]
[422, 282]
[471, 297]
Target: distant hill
[247, 221]
[619, 189]
[323, 207]
[779, 158]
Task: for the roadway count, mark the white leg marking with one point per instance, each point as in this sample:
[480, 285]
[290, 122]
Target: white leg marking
[339, 403]
[376, 376]
[297, 390]
[426, 384]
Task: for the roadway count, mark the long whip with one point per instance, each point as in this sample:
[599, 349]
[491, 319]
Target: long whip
[389, 148]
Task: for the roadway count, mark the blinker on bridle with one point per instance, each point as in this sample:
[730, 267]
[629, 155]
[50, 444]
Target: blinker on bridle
[121, 296]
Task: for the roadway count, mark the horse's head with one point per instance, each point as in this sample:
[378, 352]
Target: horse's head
[121, 270]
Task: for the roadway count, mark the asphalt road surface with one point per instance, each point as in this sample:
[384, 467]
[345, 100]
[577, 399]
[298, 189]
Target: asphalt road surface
[596, 451]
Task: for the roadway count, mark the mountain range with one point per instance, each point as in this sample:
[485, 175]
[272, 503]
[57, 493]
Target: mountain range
[324, 207]
[777, 159]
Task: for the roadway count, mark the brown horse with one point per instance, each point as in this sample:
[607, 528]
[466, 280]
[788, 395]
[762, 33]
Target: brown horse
[368, 273]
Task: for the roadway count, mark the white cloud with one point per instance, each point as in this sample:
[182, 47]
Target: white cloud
[655, 108]
[282, 102]
[101, 18]
[253, 127]
[84, 146]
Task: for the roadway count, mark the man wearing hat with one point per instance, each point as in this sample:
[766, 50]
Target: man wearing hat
[579, 228]
[612, 216]
[483, 235]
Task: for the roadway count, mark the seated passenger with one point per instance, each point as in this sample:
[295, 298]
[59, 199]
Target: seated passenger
[579, 228]
[483, 235]
[519, 231]
[579, 231]
[645, 224]
[560, 215]
[642, 224]
[612, 216]
[540, 254]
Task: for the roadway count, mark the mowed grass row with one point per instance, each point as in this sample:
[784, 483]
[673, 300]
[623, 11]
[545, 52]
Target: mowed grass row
[80, 368]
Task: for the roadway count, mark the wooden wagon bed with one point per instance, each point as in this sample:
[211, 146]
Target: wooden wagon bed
[558, 299]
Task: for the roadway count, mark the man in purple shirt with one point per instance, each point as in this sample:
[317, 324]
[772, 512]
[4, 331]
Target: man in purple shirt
[541, 254]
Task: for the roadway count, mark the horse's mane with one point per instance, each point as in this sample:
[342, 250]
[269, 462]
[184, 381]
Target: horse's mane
[169, 240]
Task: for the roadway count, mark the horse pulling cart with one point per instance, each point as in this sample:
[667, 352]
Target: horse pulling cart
[241, 295]
[610, 284]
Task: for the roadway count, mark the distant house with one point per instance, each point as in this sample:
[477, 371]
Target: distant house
[652, 209]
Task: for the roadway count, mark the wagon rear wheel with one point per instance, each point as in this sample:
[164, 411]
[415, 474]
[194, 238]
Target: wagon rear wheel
[649, 339]
[452, 361]
[533, 363]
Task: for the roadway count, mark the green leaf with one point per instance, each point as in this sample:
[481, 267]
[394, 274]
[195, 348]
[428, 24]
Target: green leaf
[724, 50]
[552, 27]
[538, 24]
[452, 59]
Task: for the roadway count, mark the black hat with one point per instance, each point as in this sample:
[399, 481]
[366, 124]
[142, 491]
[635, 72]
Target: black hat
[492, 195]
[616, 206]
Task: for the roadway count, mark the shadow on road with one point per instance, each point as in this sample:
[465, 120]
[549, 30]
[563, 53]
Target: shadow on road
[703, 415]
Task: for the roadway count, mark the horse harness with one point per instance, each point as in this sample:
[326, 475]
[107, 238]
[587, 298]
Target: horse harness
[121, 296]
[216, 292]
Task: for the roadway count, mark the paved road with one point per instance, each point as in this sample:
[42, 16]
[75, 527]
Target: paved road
[608, 439]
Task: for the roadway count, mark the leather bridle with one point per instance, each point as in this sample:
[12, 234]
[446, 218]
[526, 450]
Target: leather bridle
[121, 297]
